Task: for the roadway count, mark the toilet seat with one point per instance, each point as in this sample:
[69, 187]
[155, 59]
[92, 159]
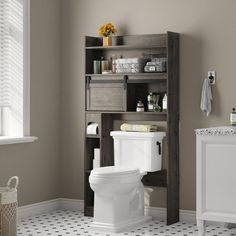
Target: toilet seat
[113, 174]
[114, 170]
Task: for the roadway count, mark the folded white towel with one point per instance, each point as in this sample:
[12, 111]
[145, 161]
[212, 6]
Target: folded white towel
[206, 98]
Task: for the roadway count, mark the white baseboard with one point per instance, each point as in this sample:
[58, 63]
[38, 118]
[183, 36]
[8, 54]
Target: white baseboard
[187, 216]
[161, 213]
[50, 205]
[71, 204]
[75, 204]
[156, 212]
[38, 208]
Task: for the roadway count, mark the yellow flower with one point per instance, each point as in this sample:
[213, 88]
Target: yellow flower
[107, 30]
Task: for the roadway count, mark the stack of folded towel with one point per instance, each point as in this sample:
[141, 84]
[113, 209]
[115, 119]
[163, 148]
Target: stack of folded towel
[138, 128]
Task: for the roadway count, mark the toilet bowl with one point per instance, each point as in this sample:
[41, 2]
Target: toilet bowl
[119, 202]
[118, 190]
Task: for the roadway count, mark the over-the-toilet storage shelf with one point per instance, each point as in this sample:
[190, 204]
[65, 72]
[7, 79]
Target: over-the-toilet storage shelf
[124, 89]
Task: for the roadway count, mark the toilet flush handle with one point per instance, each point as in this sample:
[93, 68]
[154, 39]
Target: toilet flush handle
[159, 147]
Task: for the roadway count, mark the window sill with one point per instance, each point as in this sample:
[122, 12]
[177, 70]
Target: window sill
[14, 140]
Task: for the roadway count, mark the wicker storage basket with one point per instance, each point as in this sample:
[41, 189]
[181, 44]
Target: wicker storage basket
[8, 208]
[130, 65]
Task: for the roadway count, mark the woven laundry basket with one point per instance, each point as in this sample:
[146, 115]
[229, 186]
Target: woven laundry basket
[8, 208]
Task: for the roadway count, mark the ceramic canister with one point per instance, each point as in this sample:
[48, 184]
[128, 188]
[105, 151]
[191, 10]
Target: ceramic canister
[97, 67]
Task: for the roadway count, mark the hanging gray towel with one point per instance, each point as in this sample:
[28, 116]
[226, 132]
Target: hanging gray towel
[206, 98]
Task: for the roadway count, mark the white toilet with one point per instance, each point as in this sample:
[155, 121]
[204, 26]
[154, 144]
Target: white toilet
[118, 190]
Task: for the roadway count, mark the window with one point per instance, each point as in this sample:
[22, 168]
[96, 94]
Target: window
[14, 71]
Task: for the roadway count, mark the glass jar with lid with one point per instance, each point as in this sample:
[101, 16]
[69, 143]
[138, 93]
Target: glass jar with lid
[140, 106]
[153, 99]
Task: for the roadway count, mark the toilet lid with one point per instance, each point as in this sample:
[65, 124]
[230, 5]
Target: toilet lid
[114, 171]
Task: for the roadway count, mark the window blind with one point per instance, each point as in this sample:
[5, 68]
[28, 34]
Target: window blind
[11, 55]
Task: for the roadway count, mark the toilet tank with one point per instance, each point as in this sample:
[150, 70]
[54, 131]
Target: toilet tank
[142, 150]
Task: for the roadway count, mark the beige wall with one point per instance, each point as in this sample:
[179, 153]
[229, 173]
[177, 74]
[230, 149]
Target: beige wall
[207, 42]
[37, 164]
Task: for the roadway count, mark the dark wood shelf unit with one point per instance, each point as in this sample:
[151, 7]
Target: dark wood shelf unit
[112, 97]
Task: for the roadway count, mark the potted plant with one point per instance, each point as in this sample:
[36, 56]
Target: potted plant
[107, 31]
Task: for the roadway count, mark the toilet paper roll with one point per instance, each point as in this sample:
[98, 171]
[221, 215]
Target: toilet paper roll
[96, 163]
[97, 153]
[96, 160]
[92, 128]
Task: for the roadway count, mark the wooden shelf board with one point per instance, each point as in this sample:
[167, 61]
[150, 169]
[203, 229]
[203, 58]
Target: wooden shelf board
[158, 179]
[128, 77]
[129, 112]
[140, 116]
[126, 47]
[129, 74]
[92, 136]
[135, 113]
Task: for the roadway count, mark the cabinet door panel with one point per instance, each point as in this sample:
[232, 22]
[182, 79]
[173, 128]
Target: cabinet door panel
[106, 97]
[220, 161]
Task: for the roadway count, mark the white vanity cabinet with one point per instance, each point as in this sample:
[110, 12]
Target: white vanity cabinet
[216, 176]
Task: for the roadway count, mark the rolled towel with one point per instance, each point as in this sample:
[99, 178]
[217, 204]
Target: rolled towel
[138, 127]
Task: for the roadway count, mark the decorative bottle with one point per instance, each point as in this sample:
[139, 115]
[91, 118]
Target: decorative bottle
[150, 100]
[233, 117]
[104, 65]
[140, 107]
[164, 103]
[113, 64]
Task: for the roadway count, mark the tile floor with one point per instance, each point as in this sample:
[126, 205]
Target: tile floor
[63, 223]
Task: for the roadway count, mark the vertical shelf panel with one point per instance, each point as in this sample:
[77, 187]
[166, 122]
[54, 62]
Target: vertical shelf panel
[107, 158]
[173, 128]
[90, 144]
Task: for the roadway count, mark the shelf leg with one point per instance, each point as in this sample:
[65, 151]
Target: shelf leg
[201, 225]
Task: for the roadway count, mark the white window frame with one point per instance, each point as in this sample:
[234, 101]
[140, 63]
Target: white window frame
[26, 138]
[26, 70]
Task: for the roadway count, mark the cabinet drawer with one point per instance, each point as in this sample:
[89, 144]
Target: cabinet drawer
[106, 96]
